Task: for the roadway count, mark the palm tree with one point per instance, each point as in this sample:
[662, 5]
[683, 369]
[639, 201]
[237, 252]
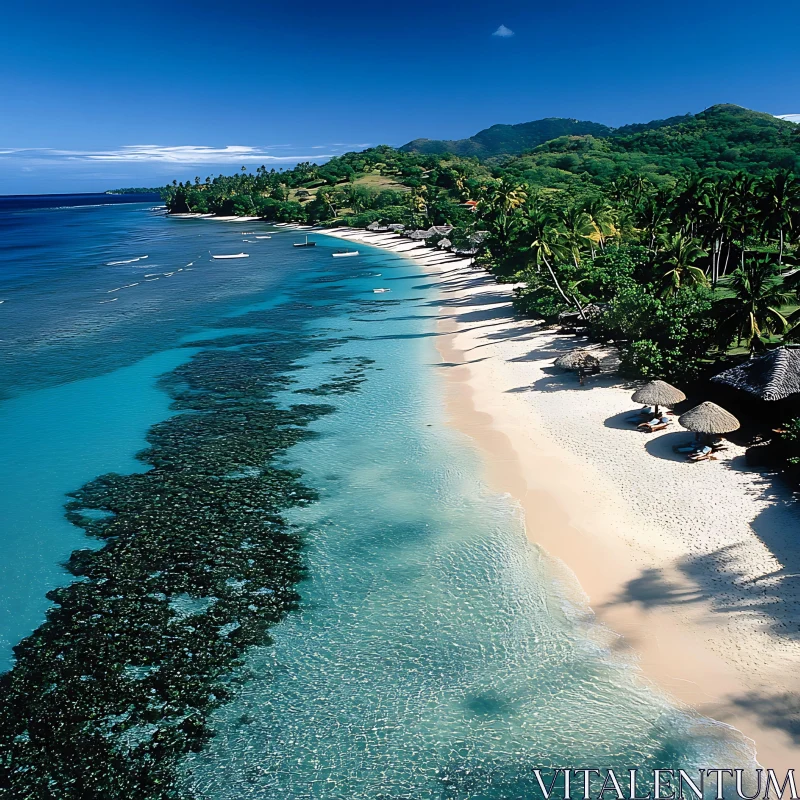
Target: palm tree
[679, 253]
[716, 221]
[687, 204]
[578, 228]
[547, 243]
[604, 218]
[778, 205]
[742, 189]
[749, 302]
[506, 195]
[459, 176]
[499, 203]
[418, 199]
[653, 214]
[629, 190]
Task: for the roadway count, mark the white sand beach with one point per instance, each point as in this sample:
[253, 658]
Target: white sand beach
[692, 568]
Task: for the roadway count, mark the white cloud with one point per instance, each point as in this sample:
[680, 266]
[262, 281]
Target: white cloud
[503, 32]
[789, 117]
[153, 153]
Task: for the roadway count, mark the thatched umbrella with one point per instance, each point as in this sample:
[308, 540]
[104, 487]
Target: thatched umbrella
[444, 244]
[658, 393]
[578, 359]
[772, 376]
[709, 418]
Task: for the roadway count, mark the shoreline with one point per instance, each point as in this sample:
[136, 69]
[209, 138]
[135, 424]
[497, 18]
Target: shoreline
[687, 567]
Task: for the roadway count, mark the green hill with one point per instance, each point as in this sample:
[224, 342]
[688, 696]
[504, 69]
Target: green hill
[722, 139]
[501, 140]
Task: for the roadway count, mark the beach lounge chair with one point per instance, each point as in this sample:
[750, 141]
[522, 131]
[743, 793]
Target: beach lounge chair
[706, 453]
[655, 424]
[642, 415]
[687, 449]
[697, 445]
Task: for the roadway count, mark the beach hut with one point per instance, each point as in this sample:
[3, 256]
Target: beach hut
[420, 235]
[373, 226]
[580, 361]
[570, 320]
[396, 227]
[445, 244]
[658, 393]
[440, 230]
[710, 419]
[771, 377]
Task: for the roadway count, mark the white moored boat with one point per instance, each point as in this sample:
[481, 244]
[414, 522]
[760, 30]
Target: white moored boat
[234, 255]
[345, 253]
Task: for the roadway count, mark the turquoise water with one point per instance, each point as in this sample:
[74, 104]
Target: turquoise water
[433, 655]
[53, 440]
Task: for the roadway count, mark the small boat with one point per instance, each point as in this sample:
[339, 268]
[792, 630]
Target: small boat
[345, 253]
[381, 291]
[247, 233]
[263, 237]
[306, 243]
[234, 255]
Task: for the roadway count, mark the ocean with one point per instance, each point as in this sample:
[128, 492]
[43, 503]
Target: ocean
[305, 589]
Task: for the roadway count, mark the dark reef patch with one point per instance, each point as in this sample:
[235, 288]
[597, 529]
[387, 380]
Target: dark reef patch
[348, 381]
[197, 564]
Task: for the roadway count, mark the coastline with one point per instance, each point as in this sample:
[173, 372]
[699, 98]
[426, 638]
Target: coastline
[688, 567]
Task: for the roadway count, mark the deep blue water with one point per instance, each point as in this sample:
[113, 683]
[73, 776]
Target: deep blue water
[434, 655]
[10, 203]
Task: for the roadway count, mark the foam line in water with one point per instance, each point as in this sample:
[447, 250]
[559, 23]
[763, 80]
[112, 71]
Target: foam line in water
[129, 261]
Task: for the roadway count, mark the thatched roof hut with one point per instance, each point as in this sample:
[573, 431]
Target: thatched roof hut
[578, 359]
[419, 235]
[571, 319]
[709, 418]
[658, 393]
[440, 230]
[444, 244]
[397, 227]
[373, 226]
[772, 376]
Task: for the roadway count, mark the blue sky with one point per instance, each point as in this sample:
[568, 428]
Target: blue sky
[97, 95]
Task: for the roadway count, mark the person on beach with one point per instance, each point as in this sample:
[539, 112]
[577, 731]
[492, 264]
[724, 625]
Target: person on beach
[655, 424]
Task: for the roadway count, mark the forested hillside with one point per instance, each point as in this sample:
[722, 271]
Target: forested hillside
[503, 140]
[722, 139]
